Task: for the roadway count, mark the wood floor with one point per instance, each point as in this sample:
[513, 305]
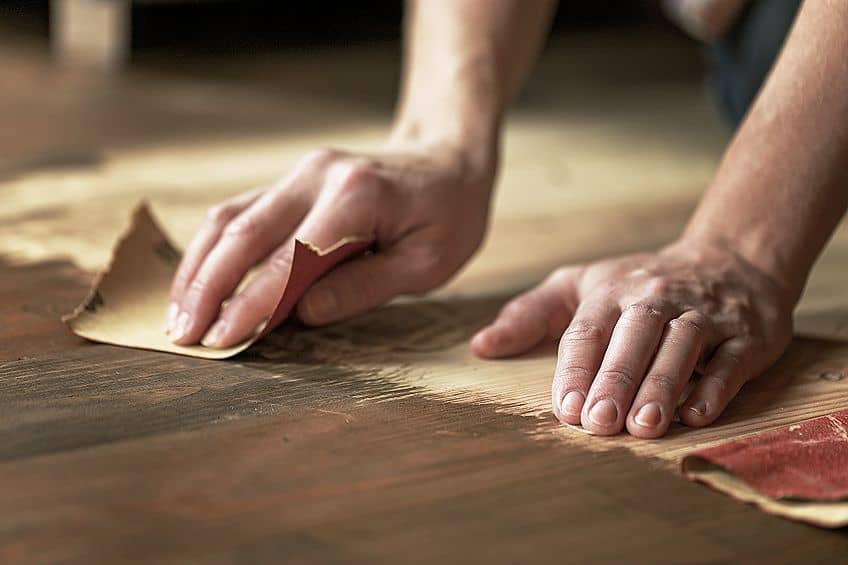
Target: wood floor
[380, 439]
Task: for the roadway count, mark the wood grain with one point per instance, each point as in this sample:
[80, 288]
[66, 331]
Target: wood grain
[160, 458]
[380, 439]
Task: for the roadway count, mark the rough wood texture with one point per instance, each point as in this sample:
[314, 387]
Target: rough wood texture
[380, 439]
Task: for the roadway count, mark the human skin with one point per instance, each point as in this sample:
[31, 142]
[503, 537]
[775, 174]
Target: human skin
[632, 329]
[423, 198]
[719, 299]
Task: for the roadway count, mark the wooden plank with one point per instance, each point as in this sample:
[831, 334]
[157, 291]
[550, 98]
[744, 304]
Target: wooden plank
[381, 439]
[298, 452]
[406, 478]
[32, 301]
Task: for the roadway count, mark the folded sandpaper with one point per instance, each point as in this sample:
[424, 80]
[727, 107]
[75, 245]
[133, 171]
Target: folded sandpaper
[127, 303]
[798, 471]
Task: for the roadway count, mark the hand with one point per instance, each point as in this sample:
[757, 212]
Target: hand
[425, 208]
[637, 327]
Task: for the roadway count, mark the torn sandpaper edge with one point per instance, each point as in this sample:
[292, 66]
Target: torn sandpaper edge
[798, 471]
[127, 303]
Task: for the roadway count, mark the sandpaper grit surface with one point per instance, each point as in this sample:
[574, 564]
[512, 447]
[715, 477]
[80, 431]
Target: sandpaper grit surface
[127, 303]
[798, 471]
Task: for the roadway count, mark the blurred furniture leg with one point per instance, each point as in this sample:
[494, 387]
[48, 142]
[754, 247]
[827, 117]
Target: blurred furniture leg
[92, 33]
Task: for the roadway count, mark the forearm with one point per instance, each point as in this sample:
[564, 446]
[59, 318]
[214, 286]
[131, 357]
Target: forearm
[464, 62]
[782, 188]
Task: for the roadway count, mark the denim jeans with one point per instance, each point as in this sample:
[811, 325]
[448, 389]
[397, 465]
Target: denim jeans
[743, 57]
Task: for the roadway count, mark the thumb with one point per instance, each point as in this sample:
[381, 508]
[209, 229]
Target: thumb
[352, 288]
[543, 312]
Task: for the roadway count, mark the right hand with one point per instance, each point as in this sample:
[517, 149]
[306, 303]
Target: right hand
[425, 207]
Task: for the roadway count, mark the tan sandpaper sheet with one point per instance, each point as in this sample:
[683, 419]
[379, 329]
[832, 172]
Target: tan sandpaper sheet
[128, 301]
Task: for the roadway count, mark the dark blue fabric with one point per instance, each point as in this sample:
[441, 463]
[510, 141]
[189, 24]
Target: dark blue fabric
[744, 56]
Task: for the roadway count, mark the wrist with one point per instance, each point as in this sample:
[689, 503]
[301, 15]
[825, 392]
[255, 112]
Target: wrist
[753, 249]
[465, 116]
[474, 145]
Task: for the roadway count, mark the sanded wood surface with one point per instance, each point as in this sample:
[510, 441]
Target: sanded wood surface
[382, 438]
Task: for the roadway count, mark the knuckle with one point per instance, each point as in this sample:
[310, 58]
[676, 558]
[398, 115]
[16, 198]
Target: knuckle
[320, 156]
[579, 374]
[280, 261]
[584, 331]
[659, 285]
[243, 227]
[609, 289]
[517, 307]
[352, 177]
[730, 357]
[617, 377]
[199, 286]
[221, 214]
[662, 381]
[181, 279]
[719, 384]
[689, 325]
[560, 276]
[643, 311]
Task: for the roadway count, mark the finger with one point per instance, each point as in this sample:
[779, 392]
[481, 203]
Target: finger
[631, 349]
[355, 287]
[216, 219]
[368, 281]
[349, 289]
[347, 207]
[351, 201]
[220, 216]
[253, 306]
[732, 365]
[541, 313]
[245, 241]
[665, 381]
[581, 350]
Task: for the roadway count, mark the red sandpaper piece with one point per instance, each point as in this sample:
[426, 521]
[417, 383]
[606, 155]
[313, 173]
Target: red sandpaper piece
[308, 265]
[806, 461]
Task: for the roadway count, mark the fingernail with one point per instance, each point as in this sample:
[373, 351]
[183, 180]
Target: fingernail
[321, 304]
[181, 326]
[699, 408]
[572, 404]
[604, 413]
[214, 335]
[173, 310]
[649, 415]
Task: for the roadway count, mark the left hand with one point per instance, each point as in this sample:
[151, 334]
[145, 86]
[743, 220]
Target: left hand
[637, 327]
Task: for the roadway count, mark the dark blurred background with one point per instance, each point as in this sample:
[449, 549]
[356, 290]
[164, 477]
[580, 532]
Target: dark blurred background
[222, 25]
[215, 69]
[214, 97]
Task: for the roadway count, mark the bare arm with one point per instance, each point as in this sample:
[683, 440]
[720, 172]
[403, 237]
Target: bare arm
[464, 62]
[782, 186]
